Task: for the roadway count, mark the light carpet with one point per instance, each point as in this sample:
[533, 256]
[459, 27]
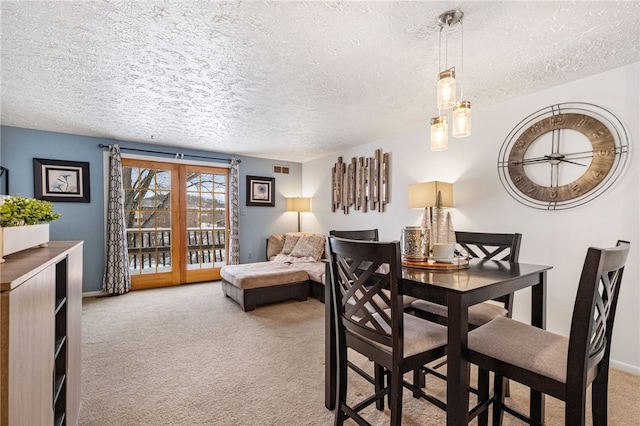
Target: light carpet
[188, 355]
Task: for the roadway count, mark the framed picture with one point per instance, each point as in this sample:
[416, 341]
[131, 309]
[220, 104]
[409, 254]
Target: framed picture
[59, 180]
[261, 191]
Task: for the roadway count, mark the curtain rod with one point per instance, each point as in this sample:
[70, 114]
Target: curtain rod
[175, 154]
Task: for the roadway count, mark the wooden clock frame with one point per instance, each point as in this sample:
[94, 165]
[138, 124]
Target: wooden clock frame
[603, 164]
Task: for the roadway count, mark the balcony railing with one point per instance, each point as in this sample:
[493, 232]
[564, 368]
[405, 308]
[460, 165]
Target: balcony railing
[149, 248]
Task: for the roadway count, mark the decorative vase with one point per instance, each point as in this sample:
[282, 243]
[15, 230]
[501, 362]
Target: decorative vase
[415, 243]
[17, 238]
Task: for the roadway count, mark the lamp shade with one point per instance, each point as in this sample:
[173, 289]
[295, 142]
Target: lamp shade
[423, 195]
[439, 136]
[462, 119]
[446, 94]
[299, 204]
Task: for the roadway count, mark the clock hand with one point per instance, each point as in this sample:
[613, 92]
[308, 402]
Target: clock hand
[549, 158]
[572, 162]
[578, 155]
[532, 160]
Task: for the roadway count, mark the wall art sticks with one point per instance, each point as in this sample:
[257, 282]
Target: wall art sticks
[362, 184]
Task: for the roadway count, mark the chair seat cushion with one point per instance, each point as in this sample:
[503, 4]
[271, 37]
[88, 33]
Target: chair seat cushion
[523, 345]
[419, 335]
[406, 300]
[479, 314]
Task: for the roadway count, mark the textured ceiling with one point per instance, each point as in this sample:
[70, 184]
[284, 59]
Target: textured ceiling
[293, 80]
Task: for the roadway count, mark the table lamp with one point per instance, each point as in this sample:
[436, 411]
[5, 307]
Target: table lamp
[425, 195]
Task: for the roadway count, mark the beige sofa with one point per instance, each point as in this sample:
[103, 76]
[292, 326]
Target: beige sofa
[294, 270]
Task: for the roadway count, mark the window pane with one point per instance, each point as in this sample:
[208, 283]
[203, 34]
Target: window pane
[193, 201]
[219, 183]
[206, 181]
[163, 179]
[163, 200]
[193, 182]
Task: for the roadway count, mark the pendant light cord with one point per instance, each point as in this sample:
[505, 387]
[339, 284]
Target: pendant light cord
[461, 60]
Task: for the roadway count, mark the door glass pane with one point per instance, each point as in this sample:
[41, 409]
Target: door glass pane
[163, 179]
[148, 219]
[206, 182]
[205, 229]
[220, 183]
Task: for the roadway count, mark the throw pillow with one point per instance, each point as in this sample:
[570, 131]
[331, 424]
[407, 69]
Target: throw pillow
[290, 241]
[309, 246]
[274, 245]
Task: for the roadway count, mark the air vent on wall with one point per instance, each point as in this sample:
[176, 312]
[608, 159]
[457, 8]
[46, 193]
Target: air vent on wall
[281, 169]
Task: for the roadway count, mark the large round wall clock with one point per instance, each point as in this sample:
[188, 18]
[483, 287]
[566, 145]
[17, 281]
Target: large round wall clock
[563, 156]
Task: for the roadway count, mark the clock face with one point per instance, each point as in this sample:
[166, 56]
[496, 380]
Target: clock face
[563, 156]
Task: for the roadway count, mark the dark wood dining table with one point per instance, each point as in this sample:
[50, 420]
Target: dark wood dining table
[483, 280]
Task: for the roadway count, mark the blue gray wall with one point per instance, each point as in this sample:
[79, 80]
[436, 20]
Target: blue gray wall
[85, 221]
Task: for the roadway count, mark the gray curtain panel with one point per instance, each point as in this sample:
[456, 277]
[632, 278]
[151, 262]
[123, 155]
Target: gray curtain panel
[234, 195]
[116, 272]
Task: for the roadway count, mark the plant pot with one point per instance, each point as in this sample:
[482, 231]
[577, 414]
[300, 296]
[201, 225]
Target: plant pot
[18, 238]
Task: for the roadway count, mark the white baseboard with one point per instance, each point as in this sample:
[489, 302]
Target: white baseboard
[92, 293]
[624, 367]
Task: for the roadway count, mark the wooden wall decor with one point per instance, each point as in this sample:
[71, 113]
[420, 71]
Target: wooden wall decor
[362, 184]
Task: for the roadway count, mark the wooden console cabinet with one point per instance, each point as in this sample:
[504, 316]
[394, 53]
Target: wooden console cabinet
[40, 339]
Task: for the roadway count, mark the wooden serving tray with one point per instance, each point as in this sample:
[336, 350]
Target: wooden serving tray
[433, 264]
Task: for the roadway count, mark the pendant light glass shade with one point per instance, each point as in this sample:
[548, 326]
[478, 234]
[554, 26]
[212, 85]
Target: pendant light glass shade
[461, 119]
[447, 89]
[439, 136]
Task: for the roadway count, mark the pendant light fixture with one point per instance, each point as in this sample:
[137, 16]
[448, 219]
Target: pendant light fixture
[461, 119]
[447, 89]
[439, 136]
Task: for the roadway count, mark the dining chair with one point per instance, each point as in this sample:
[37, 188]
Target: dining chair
[378, 371]
[483, 246]
[559, 366]
[382, 332]
[480, 245]
[370, 235]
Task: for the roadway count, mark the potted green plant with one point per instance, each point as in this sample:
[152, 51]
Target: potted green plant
[24, 223]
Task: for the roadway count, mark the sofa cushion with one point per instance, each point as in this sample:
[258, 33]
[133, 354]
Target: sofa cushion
[309, 246]
[314, 269]
[262, 274]
[274, 245]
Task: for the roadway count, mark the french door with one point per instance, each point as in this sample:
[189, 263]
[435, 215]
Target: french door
[177, 222]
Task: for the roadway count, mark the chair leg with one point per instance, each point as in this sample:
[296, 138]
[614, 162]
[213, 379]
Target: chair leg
[419, 381]
[388, 379]
[499, 400]
[341, 397]
[378, 378]
[396, 385]
[574, 410]
[483, 395]
[599, 398]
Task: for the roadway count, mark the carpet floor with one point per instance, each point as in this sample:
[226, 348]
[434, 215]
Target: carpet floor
[188, 355]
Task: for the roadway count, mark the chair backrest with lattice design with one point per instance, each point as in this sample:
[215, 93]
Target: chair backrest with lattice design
[594, 311]
[484, 245]
[360, 270]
